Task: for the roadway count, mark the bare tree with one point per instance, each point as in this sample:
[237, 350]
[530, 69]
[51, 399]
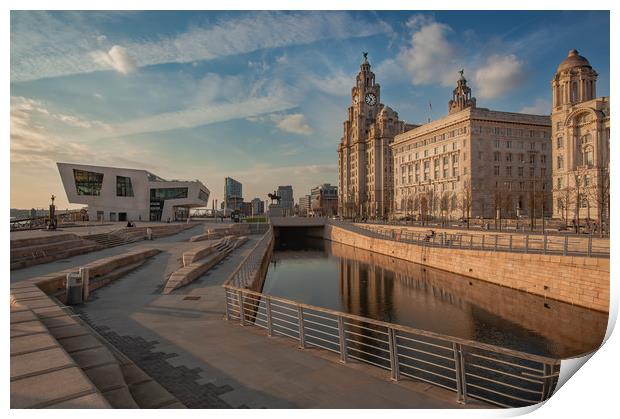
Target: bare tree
[444, 204]
[580, 193]
[599, 193]
[465, 203]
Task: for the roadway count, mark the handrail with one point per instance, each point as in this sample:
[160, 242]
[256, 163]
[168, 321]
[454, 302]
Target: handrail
[407, 329]
[464, 240]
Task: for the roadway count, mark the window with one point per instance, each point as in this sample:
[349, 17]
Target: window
[87, 183]
[543, 172]
[520, 171]
[532, 158]
[508, 144]
[496, 170]
[508, 170]
[497, 156]
[508, 156]
[161, 194]
[543, 159]
[123, 186]
[532, 171]
[559, 183]
[480, 155]
[583, 201]
[560, 162]
[497, 142]
[588, 156]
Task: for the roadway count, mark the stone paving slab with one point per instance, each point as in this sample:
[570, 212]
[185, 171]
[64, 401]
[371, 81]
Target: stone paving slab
[90, 401]
[44, 390]
[35, 362]
[93, 357]
[31, 343]
[27, 328]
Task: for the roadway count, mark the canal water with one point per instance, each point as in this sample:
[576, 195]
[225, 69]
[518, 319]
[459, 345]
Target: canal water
[343, 278]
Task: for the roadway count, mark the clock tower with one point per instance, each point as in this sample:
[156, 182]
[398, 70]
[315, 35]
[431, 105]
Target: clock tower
[364, 157]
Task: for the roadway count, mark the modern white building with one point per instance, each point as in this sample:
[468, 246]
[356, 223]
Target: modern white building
[115, 194]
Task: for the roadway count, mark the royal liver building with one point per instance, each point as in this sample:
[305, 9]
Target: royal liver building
[365, 185]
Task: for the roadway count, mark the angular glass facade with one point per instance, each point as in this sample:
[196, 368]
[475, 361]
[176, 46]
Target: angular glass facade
[87, 183]
[123, 186]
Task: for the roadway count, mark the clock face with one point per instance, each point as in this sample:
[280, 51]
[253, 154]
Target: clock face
[371, 99]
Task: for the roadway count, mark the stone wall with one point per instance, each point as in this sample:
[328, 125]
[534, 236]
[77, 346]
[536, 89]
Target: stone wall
[576, 280]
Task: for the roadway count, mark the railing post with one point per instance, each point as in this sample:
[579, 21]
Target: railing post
[565, 250]
[482, 243]
[443, 238]
[300, 320]
[226, 301]
[394, 364]
[496, 239]
[241, 308]
[343, 340]
[527, 242]
[545, 243]
[471, 241]
[269, 319]
[590, 245]
[510, 242]
[459, 368]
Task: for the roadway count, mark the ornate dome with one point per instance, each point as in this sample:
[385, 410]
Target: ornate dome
[573, 60]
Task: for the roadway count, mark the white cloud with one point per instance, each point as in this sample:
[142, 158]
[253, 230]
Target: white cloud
[101, 39]
[500, 75]
[197, 116]
[336, 84]
[540, 107]
[293, 123]
[429, 57]
[117, 58]
[44, 45]
[282, 59]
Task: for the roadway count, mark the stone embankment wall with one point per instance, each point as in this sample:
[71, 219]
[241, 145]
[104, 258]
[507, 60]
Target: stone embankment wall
[576, 280]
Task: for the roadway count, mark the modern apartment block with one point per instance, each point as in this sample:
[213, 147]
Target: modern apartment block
[287, 202]
[233, 194]
[116, 194]
[258, 206]
[304, 205]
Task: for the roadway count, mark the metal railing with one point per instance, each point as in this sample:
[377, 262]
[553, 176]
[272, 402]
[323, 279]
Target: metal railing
[522, 243]
[471, 369]
[248, 270]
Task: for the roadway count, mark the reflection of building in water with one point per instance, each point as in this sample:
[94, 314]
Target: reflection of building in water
[381, 287]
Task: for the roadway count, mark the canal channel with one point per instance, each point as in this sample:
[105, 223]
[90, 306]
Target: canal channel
[339, 277]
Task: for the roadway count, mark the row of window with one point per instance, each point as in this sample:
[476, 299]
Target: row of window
[519, 144]
[520, 171]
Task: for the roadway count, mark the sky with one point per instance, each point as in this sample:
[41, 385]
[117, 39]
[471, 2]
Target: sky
[259, 96]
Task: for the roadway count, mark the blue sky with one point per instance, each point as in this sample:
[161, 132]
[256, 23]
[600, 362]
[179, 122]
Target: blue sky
[259, 96]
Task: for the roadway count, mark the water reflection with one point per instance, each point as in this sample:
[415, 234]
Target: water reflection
[356, 281]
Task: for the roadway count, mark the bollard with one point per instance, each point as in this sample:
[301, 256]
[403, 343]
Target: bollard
[510, 242]
[545, 243]
[565, 251]
[590, 245]
[496, 239]
[149, 233]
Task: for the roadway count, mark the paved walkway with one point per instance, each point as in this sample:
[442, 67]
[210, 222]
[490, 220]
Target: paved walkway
[177, 243]
[183, 342]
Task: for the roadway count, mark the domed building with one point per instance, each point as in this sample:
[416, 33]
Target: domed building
[580, 135]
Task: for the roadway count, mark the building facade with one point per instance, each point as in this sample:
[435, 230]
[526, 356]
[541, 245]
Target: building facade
[115, 194]
[581, 130]
[258, 206]
[233, 194]
[304, 206]
[287, 201]
[365, 181]
[474, 162]
[324, 200]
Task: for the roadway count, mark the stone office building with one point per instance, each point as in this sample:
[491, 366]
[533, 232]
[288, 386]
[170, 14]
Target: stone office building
[365, 183]
[474, 162]
[580, 123]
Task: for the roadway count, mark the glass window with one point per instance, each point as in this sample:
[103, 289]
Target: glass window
[123, 186]
[161, 194]
[87, 183]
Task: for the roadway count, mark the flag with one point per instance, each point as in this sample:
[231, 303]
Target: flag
[430, 106]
